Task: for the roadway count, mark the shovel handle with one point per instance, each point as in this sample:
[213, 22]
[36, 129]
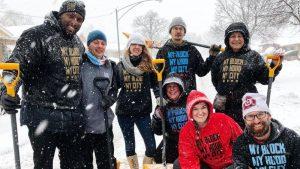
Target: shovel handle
[275, 58]
[158, 73]
[204, 46]
[10, 86]
[101, 88]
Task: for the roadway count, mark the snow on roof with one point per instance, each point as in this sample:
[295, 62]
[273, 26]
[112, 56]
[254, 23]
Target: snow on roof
[17, 30]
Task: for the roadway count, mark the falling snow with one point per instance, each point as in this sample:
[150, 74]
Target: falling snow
[284, 105]
[89, 106]
[71, 93]
[32, 45]
[63, 89]
[41, 127]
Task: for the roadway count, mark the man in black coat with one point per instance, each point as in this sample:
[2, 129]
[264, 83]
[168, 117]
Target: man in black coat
[182, 58]
[265, 143]
[49, 56]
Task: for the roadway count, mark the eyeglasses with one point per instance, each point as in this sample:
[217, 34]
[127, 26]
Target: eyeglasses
[259, 115]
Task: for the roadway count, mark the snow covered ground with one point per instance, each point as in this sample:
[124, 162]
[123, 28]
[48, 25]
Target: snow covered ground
[285, 105]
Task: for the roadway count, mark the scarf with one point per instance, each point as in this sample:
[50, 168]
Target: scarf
[95, 60]
[129, 67]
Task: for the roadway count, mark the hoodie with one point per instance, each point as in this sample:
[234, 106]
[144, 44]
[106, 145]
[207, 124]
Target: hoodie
[211, 144]
[174, 112]
[184, 60]
[49, 65]
[281, 150]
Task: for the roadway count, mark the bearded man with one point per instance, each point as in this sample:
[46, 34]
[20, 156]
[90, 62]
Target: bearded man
[265, 143]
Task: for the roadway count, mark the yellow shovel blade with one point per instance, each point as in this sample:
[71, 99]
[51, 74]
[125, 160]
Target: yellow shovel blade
[157, 166]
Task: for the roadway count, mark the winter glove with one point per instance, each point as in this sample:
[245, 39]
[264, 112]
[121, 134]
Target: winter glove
[219, 103]
[158, 101]
[106, 102]
[214, 50]
[10, 104]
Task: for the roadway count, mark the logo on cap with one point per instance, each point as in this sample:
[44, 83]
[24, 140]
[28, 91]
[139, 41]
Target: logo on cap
[71, 6]
[249, 102]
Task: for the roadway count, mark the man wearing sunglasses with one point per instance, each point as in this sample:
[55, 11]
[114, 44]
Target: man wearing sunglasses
[265, 143]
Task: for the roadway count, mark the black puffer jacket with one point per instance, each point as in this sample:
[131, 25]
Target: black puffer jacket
[281, 150]
[49, 63]
[184, 60]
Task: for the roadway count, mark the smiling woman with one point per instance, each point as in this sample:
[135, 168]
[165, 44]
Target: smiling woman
[213, 133]
[236, 71]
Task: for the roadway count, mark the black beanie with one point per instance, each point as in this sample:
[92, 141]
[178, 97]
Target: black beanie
[72, 6]
[237, 27]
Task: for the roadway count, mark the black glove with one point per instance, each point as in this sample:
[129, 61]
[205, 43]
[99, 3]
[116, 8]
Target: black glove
[10, 104]
[214, 50]
[106, 102]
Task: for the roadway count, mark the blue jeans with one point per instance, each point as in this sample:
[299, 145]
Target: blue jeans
[143, 124]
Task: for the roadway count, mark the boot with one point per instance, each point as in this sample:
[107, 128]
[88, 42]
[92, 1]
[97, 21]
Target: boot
[133, 162]
[148, 160]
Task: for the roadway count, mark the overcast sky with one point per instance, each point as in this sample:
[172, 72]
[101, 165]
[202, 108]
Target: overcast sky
[198, 14]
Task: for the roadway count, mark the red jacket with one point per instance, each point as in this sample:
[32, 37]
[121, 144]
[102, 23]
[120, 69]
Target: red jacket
[213, 143]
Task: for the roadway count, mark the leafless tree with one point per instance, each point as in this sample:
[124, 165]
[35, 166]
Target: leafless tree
[290, 9]
[151, 26]
[259, 16]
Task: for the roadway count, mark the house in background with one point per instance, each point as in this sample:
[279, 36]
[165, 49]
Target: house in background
[8, 37]
[289, 40]
[7, 40]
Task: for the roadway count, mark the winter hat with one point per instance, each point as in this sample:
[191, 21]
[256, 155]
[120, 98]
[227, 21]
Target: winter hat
[72, 6]
[195, 97]
[96, 34]
[237, 27]
[177, 21]
[136, 39]
[254, 102]
[172, 79]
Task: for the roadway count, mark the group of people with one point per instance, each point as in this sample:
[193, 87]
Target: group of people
[72, 89]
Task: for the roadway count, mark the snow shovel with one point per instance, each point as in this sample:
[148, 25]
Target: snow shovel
[10, 88]
[204, 46]
[155, 63]
[271, 73]
[102, 83]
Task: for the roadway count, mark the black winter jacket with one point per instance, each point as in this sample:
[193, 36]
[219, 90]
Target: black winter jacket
[234, 74]
[184, 60]
[135, 95]
[281, 150]
[49, 63]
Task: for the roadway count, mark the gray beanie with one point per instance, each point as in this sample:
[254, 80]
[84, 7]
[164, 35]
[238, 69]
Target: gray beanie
[177, 21]
[136, 38]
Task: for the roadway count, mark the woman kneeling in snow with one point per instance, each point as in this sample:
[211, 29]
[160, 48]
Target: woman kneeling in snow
[207, 138]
